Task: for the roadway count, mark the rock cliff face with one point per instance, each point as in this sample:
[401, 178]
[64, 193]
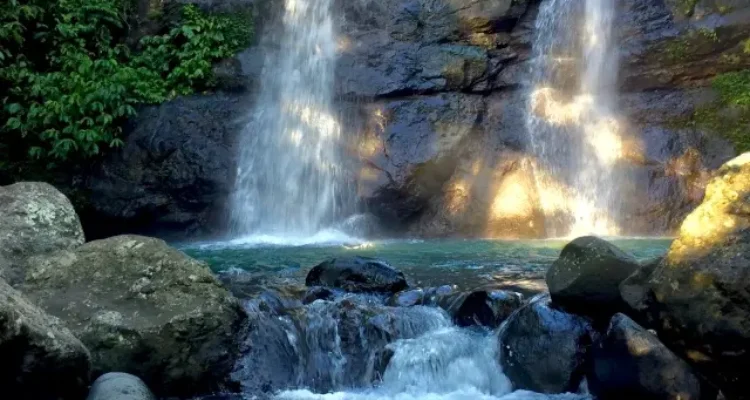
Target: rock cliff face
[447, 150]
[433, 95]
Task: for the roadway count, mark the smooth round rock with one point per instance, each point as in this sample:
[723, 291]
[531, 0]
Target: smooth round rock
[357, 274]
[544, 349]
[586, 277]
[119, 386]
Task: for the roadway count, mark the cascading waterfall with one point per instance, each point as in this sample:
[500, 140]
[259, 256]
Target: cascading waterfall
[290, 180]
[572, 121]
[336, 350]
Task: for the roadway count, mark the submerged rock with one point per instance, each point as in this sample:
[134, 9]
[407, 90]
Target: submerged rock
[35, 218]
[145, 308]
[543, 349]
[586, 277]
[698, 297]
[357, 274]
[631, 363]
[119, 386]
[39, 357]
[432, 296]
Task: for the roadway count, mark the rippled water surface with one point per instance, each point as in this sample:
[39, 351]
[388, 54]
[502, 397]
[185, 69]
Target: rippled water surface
[463, 262]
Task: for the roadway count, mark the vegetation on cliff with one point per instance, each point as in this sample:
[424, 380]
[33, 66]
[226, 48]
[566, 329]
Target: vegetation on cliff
[68, 80]
[729, 115]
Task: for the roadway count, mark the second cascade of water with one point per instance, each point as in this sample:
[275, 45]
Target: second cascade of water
[290, 178]
[575, 133]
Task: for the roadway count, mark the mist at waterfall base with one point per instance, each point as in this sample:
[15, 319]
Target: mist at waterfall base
[576, 134]
[291, 183]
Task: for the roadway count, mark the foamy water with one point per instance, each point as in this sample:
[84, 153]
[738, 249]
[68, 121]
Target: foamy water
[444, 364]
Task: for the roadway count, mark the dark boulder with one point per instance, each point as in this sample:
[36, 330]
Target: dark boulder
[119, 386]
[35, 218]
[144, 308]
[631, 363]
[357, 274]
[543, 349]
[317, 293]
[586, 277]
[698, 297]
[39, 357]
[487, 308]
[634, 290]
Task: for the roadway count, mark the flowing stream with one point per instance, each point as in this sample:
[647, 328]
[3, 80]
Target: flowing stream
[337, 349]
[575, 132]
[290, 182]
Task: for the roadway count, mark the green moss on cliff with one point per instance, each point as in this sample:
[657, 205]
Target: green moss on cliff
[687, 7]
[729, 116]
[686, 45]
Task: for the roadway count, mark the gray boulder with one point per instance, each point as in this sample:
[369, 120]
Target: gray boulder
[543, 349]
[587, 275]
[35, 218]
[144, 308]
[631, 363]
[119, 386]
[357, 274]
[39, 357]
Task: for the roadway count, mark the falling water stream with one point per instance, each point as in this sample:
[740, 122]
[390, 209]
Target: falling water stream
[572, 120]
[290, 185]
[290, 182]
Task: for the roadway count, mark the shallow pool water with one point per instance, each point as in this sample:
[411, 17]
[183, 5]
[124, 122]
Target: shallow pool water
[467, 263]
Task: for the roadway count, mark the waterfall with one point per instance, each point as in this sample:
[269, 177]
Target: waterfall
[576, 135]
[290, 181]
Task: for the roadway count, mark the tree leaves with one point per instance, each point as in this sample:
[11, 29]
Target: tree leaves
[67, 83]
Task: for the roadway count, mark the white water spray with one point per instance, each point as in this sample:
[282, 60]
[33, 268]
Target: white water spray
[290, 181]
[574, 130]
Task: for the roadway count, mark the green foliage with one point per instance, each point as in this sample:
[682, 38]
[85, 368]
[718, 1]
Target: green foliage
[734, 88]
[729, 116]
[689, 44]
[68, 83]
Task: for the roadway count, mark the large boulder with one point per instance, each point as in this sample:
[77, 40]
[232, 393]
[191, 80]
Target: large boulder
[543, 349]
[39, 357]
[357, 274]
[631, 363]
[698, 297]
[119, 386]
[144, 308]
[586, 277]
[35, 218]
